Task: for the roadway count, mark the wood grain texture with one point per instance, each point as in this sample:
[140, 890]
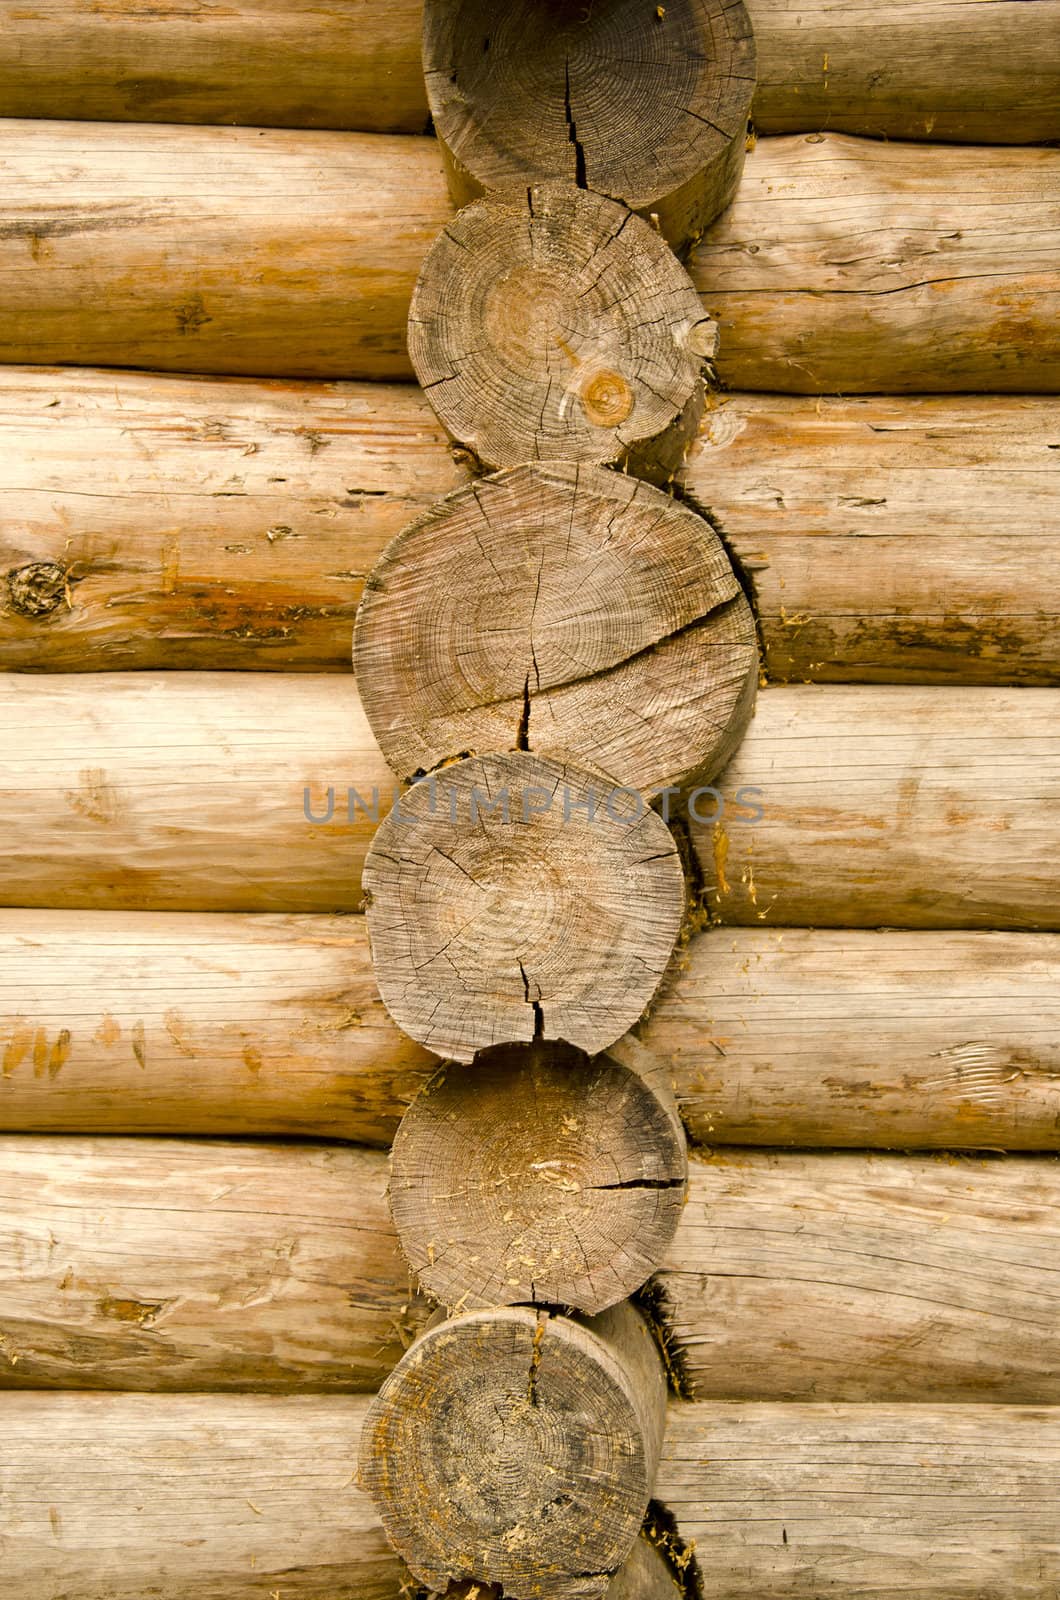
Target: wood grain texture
[175, 1265]
[170, 1265]
[223, 523]
[891, 807]
[822, 1037]
[265, 63]
[197, 522]
[188, 1497]
[911, 69]
[166, 791]
[850, 266]
[273, 1025]
[898, 806]
[892, 540]
[789, 1502]
[225, 250]
[845, 1276]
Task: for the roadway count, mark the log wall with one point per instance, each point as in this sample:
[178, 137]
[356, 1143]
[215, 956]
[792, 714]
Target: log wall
[904, 70]
[187, 522]
[116, 1022]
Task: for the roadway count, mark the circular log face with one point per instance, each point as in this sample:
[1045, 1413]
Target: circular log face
[499, 908]
[537, 1174]
[552, 323]
[518, 1448]
[645, 103]
[562, 609]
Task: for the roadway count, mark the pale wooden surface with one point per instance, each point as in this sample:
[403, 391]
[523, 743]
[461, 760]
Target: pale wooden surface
[203, 522]
[896, 806]
[225, 1497]
[909, 69]
[273, 1024]
[845, 1276]
[792, 1502]
[173, 1265]
[184, 790]
[821, 1037]
[857, 266]
[284, 63]
[892, 540]
[188, 1497]
[294, 253]
[222, 523]
[164, 1264]
[231, 250]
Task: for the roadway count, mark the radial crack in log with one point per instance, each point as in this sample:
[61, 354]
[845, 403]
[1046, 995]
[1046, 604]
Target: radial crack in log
[539, 1174]
[513, 897]
[517, 1448]
[645, 103]
[563, 609]
[553, 323]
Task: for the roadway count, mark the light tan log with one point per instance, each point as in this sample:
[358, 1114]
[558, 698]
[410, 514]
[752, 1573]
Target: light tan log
[194, 522]
[905, 70]
[881, 806]
[911, 1500]
[892, 540]
[265, 63]
[295, 253]
[948, 1502]
[836, 1275]
[851, 266]
[162, 1264]
[221, 523]
[185, 791]
[171, 1265]
[890, 807]
[120, 1022]
[835, 1037]
[519, 1448]
[224, 250]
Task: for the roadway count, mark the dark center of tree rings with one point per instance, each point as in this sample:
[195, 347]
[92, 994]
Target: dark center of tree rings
[512, 897]
[552, 323]
[645, 103]
[565, 610]
[538, 1174]
[519, 1448]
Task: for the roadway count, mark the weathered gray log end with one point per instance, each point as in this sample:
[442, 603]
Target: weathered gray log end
[513, 897]
[518, 1448]
[538, 1174]
[562, 609]
[645, 103]
[549, 322]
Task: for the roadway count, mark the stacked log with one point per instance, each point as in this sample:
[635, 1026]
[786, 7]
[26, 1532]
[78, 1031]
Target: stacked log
[984, 74]
[179, 1023]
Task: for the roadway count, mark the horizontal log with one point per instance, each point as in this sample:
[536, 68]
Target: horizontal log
[294, 253]
[118, 1022]
[904, 540]
[904, 70]
[207, 523]
[894, 806]
[228, 250]
[821, 1037]
[891, 807]
[175, 1265]
[844, 1276]
[849, 266]
[897, 1501]
[947, 1502]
